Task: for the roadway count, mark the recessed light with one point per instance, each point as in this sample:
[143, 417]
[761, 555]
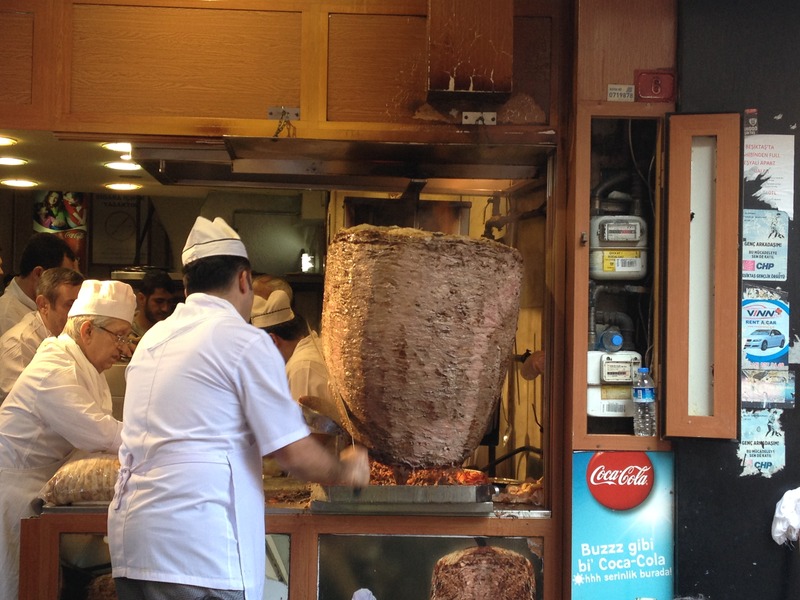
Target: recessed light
[10, 161]
[20, 183]
[7, 141]
[123, 166]
[118, 146]
[123, 187]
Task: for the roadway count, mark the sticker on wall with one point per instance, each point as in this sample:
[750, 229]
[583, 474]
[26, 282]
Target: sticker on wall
[751, 121]
[769, 172]
[622, 525]
[762, 450]
[768, 388]
[765, 244]
[765, 328]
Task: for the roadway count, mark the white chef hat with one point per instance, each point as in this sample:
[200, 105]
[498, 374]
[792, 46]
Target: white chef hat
[272, 311]
[212, 238]
[105, 299]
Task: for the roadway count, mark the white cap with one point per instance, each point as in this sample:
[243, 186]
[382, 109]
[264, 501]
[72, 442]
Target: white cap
[272, 311]
[105, 299]
[212, 238]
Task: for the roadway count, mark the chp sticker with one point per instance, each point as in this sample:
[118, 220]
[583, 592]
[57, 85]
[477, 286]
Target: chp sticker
[620, 480]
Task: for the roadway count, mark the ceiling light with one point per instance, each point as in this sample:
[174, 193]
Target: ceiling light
[118, 146]
[123, 187]
[10, 161]
[125, 156]
[123, 166]
[21, 183]
[7, 141]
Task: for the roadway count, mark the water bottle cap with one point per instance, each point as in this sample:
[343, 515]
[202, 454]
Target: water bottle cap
[644, 370]
[616, 339]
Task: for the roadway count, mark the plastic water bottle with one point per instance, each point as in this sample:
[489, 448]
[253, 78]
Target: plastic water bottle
[610, 340]
[644, 403]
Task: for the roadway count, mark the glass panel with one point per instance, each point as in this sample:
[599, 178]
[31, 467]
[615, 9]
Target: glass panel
[85, 564]
[277, 583]
[392, 566]
[701, 276]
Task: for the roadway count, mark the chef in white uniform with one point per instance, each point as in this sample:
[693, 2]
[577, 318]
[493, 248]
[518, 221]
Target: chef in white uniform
[300, 348]
[56, 291]
[60, 402]
[43, 251]
[206, 398]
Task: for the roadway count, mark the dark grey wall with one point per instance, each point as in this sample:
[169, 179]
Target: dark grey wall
[733, 56]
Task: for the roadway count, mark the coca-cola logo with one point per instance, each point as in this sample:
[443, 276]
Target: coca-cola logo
[620, 480]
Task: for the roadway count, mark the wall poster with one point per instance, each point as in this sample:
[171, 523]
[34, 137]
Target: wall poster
[762, 449]
[63, 214]
[767, 382]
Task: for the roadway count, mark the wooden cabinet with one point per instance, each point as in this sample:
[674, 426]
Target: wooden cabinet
[353, 70]
[28, 51]
[614, 40]
[596, 137]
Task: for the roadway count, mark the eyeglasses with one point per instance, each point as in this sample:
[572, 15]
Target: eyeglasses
[121, 340]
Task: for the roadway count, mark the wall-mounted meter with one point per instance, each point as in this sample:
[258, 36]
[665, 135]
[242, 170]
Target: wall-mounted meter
[618, 247]
[610, 376]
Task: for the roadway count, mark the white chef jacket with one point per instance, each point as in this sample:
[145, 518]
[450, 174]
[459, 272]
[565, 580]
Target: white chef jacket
[14, 304]
[306, 370]
[17, 347]
[59, 403]
[206, 397]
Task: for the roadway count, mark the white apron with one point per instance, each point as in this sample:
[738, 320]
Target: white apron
[247, 505]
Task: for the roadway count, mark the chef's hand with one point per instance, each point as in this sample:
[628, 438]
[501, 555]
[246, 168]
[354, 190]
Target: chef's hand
[355, 466]
[533, 366]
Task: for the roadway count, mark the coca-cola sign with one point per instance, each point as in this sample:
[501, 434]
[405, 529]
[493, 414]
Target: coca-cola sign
[620, 480]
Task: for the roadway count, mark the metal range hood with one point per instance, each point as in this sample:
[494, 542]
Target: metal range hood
[294, 163]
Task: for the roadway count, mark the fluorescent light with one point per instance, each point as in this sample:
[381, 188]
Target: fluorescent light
[118, 146]
[123, 187]
[10, 161]
[21, 183]
[7, 141]
[123, 166]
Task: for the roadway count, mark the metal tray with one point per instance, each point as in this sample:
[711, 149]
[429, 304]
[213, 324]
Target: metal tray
[400, 499]
[406, 494]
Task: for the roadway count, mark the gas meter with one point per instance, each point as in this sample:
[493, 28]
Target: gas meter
[618, 247]
[610, 377]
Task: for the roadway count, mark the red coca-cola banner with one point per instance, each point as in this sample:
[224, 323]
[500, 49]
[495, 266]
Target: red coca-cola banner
[620, 480]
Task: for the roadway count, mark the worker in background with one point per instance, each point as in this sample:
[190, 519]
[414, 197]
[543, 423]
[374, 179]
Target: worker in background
[206, 399]
[305, 368]
[55, 293]
[43, 251]
[299, 347]
[153, 301]
[60, 402]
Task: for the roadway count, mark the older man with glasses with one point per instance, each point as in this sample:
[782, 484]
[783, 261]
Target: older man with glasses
[60, 403]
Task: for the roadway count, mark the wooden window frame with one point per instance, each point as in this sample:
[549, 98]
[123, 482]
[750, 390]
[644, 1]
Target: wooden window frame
[723, 421]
